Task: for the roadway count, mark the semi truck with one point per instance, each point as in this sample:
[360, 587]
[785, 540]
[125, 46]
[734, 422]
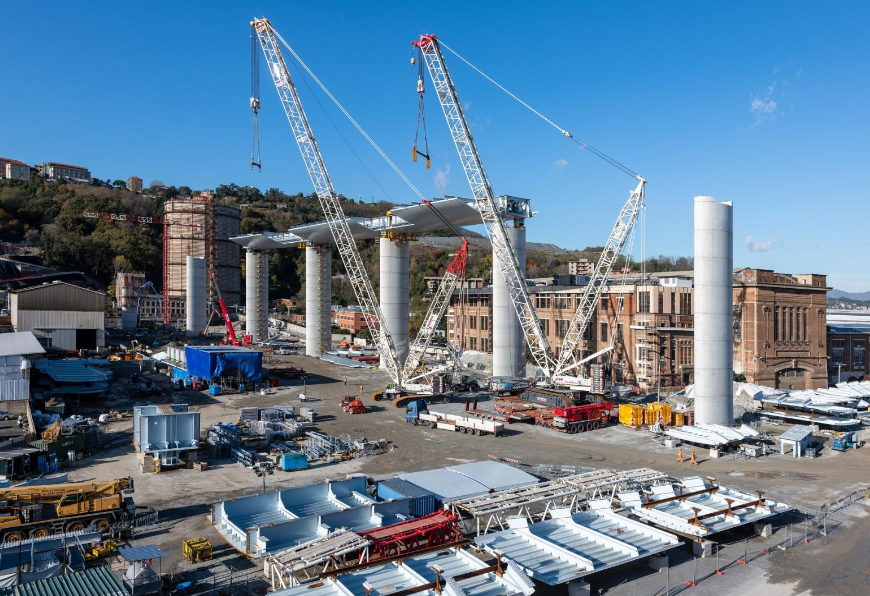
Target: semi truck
[418, 413]
[578, 419]
[37, 511]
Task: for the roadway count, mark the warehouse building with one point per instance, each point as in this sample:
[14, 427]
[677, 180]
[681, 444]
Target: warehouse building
[61, 316]
[780, 337]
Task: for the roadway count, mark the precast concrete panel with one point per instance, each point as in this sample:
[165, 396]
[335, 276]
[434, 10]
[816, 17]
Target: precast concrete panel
[318, 300]
[508, 343]
[257, 294]
[196, 309]
[714, 304]
[395, 292]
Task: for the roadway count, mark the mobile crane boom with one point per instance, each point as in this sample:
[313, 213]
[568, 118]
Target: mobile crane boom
[598, 281]
[231, 333]
[329, 202]
[454, 272]
[483, 195]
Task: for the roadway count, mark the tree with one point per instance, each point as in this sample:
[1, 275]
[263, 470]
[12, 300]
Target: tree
[119, 183]
[156, 182]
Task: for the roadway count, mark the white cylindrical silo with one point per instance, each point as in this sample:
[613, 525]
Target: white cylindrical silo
[395, 296]
[257, 294]
[714, 306]
[318, 300]
[197, 296]
[508, 343]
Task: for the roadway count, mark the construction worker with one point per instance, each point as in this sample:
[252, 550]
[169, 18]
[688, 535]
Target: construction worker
[360, 390]
[345, 380]
[693, 460]
[680, 455]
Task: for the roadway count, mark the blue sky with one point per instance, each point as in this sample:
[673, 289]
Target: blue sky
[761, 103]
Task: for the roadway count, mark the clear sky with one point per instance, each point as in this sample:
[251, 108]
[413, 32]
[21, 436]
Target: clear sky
[761, 103]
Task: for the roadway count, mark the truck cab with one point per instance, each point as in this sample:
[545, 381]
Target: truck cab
[414, 409]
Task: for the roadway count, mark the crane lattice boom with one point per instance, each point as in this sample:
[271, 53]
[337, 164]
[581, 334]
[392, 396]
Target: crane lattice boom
[483, 195]
[327, 196]
[598, 281]
[455, 271]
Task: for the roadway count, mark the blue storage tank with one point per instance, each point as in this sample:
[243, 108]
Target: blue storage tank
[422, 501]
[294, 461]
[214, 389]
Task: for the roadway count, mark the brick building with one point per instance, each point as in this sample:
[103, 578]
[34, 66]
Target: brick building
[134, 184]
[349, 318]
[12, 169]
[654, 327]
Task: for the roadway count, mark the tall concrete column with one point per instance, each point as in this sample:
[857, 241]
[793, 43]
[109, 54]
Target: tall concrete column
[257, 294]
[318, 300]
[395, 292]
[196, 307]
[714, 308]
[508, 343]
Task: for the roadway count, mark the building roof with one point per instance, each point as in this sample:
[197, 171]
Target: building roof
[23, 343]
[76, 278]
[13, 161]
[72, 371]
[798, 432]
[849, 328]
[469, 480]
[569, 546]
[66, 165]
[141, 553]
[43, 285]
[96, 581]
[713, 435]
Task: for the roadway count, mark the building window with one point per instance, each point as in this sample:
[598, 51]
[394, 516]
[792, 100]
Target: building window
[790, 335]
[545, 323]
[473, 343]
[738, 323]
[797, 324]
[563, 301]
[484, 344]
[472, 321]
[661, 308]
[603, 303]
[806, 314]
[484, 323]
[562, 328]
[685, 304]
[603, 336]
[776, 324]
[838, 347]
[858, 354]
[643, 301]
[619, 332]
[673, 303]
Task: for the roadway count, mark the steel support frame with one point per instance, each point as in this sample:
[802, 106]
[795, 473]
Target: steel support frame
[327, 196]
[442, 529]
[483, 195]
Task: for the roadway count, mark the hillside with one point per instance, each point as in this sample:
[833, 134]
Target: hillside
[49, 216]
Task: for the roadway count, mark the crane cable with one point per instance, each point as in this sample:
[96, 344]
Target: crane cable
[256, 157]
[421, 114]
[583, 144]
[349, 117]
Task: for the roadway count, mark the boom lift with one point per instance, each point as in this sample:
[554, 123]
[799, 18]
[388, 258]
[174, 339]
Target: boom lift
[41, 510]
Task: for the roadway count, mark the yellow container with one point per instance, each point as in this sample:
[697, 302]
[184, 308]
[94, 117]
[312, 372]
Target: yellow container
[678, 419]
[658, 412]
[631, 415]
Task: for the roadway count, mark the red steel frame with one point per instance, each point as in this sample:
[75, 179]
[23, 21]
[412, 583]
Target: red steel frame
[435, 529]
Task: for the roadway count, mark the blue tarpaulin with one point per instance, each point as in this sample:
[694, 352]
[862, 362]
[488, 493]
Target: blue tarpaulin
[211, 362]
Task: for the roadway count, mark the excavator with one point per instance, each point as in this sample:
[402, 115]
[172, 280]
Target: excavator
[37, 511]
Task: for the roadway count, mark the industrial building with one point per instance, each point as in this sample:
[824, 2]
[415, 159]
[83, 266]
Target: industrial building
[848, 340]
[655, 329]
[165, 435]
[16, 349]
[206, 235]
[62, 316]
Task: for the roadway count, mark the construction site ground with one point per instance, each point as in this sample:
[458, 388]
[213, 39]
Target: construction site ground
[836, 564]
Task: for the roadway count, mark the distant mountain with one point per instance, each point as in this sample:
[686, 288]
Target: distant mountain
[850, 295]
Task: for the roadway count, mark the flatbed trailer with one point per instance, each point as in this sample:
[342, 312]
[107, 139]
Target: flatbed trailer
[418, 414]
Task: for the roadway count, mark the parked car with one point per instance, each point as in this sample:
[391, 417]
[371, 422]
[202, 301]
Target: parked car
[5, 415]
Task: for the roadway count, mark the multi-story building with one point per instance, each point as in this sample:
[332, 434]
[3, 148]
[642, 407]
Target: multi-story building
[60, 171]
[581, 267]
[848, 340]
[780, 338]
[12, 169]
[433, 283]
[349, 318]
[134, 184]
[650, 322]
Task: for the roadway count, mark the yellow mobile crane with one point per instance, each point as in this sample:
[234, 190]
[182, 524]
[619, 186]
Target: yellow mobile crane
[39, 511]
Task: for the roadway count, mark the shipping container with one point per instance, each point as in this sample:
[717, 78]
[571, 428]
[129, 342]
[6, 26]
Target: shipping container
[422, 501]
[294, 461]
[62, 446]
[631, 415]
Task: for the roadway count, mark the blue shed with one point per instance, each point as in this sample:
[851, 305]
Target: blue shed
[423, 502]
[210, 362]
[294, 461]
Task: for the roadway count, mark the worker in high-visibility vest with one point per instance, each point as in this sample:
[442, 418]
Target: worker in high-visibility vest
[693, 460]
[680, 455]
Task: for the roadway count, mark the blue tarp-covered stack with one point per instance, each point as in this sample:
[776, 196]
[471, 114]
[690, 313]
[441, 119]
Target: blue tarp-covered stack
[213, 361]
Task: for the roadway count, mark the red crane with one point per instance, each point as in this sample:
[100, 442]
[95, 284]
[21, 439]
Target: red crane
[231, 333]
